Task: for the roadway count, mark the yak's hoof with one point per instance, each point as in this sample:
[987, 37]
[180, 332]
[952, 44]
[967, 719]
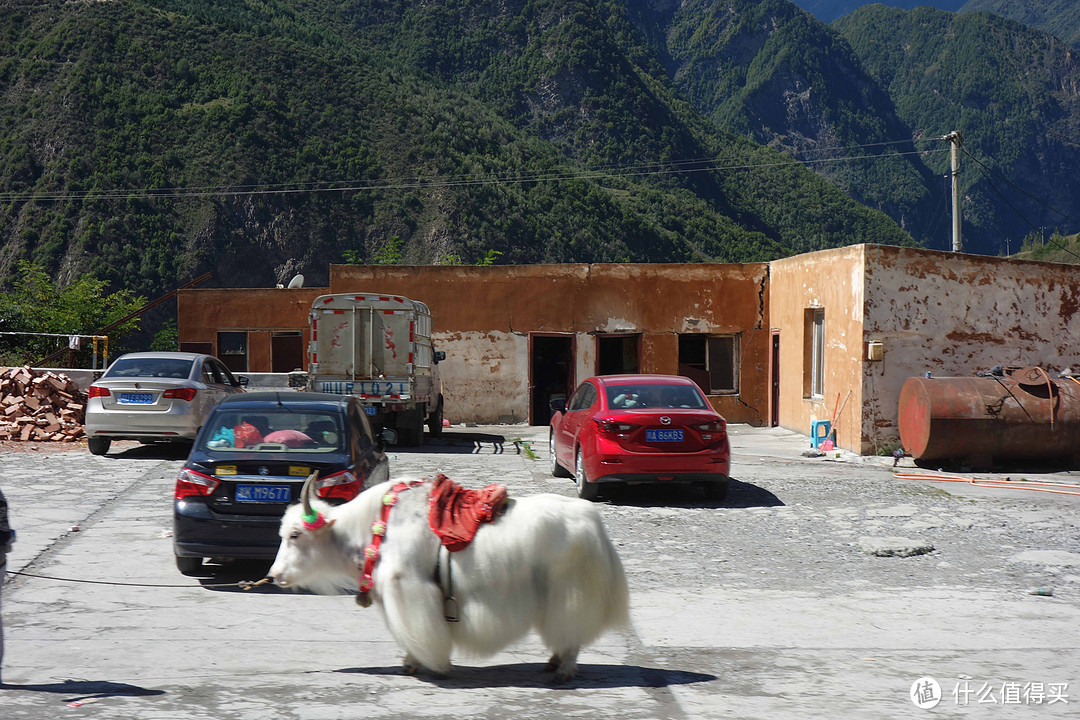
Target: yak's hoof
[553, 664]
[565, 676]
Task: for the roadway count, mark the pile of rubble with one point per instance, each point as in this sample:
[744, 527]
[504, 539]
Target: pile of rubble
[39, 406]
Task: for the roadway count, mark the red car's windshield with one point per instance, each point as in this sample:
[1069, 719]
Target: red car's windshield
[637, 396]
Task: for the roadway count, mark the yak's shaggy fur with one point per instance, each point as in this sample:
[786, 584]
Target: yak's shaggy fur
[546, 564]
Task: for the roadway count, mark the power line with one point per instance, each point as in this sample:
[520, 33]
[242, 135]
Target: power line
[695, 165]
[1015, 210]
[1022, 190]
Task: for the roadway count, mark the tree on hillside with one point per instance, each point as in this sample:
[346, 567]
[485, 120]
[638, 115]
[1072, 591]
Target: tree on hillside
[37, 304]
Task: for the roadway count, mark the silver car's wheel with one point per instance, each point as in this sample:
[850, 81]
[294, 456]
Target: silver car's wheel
[585, 489]
[98, 445]
[557, 470]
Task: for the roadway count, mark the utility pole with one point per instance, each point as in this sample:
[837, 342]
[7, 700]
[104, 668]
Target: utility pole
[957, 139]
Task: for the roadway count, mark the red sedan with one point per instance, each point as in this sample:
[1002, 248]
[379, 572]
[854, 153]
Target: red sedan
[639, 428]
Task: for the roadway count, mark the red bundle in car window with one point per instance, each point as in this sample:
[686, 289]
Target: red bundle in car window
[246, 435]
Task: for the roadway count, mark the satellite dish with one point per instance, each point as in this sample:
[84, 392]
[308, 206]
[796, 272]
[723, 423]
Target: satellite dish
[297, 281]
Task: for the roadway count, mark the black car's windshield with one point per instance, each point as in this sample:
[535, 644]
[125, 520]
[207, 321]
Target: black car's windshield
[270, 431]
[125, 367]
[630, 397]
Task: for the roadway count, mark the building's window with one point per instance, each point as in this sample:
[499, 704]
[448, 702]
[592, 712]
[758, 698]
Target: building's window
[814, 354]
[712, 361]
[233, 350]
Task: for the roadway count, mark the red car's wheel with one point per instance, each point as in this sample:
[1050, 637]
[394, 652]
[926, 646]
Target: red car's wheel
[585, 490]
[557, 470]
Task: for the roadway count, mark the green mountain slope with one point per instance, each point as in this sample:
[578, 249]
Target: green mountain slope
[149, 141]
[771, 72]
[1060, 18]
[829, 10]
[1013, 92]
[1057, 17]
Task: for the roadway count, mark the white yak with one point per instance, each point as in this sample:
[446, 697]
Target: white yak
[545, 564]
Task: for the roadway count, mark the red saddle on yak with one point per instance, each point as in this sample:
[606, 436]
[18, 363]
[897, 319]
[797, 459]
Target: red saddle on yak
[456, 512]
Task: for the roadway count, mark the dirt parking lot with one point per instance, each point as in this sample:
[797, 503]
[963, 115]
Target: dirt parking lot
[822, 587]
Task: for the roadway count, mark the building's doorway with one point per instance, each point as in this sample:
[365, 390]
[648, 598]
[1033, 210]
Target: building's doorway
[286, 351]
[774, 382]
[551, 374]
[617, 354]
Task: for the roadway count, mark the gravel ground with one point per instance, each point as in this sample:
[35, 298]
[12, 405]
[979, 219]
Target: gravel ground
[779, 530]
[768, 605]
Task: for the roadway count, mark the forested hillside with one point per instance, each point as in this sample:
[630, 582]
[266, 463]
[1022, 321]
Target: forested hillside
[150, 141]
[1013, 92]
[1057, 17]
[829, 10]
[769, 71]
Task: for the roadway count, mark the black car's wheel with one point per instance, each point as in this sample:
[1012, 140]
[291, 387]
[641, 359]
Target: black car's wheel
[557, 470]
[99, 445]
[585, 490]
[189, 565]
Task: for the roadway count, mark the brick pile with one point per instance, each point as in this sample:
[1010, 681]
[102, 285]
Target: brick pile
[40, 405]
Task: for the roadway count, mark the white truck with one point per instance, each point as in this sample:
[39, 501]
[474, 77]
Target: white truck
[378, 348]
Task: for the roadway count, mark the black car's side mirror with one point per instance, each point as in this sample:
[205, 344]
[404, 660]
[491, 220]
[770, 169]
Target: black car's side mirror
[242, 380]
[557, 404]
[439, 356]
[389, 436]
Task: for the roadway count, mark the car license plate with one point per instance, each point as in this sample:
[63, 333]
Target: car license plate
[136, 398]
[370, 409]
[263, 493]
[663, 434]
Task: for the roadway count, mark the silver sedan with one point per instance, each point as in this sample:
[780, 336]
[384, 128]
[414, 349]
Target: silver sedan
[155, 397]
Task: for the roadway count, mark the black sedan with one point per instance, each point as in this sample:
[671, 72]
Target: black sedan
[250, 460]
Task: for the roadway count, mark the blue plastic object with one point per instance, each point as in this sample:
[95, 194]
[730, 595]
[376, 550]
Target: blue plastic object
[819, 432]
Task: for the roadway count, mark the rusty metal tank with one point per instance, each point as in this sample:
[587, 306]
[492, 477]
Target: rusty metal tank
[1019, 414]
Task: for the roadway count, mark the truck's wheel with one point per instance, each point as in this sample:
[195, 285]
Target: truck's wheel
[435, 420]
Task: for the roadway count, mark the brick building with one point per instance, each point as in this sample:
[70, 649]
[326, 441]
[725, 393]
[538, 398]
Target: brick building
[781, 343]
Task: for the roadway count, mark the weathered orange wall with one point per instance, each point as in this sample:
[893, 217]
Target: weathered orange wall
[955, 314]
[831, 280]
[203, 313]
[483, 316]
[950, 314]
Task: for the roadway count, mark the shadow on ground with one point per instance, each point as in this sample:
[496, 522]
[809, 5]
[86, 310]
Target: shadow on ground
[465, 442]
[151, 451]
[740, 495]
[532, 675]
[80, 691]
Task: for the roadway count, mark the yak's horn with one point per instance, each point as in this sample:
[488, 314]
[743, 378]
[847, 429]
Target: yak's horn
[305, 494]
